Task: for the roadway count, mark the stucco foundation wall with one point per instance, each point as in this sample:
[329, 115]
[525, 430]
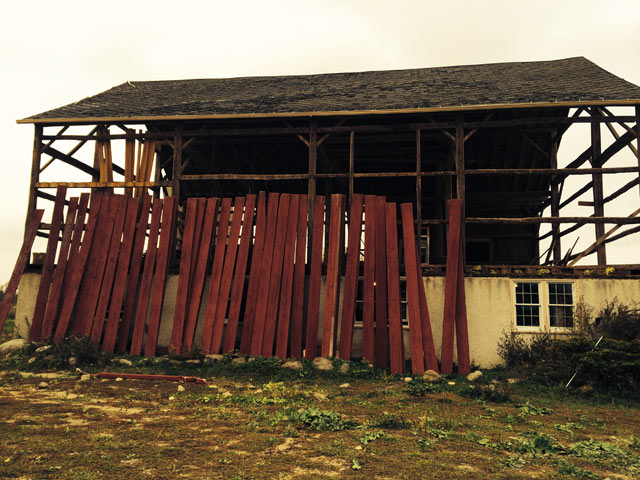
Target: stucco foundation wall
[490, 309]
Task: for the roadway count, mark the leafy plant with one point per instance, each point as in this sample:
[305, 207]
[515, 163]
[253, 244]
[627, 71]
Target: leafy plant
[529, 409]
[566, 468]
[321, 420]
[420, 388]
[370, 437]
[390, 421]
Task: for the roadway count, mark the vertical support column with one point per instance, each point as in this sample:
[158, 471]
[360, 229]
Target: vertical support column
[638, 133]
[598, 207]
[419, 195]
[35, 174]
[352, 136]
[177, 164]
[555, 202]
[460, 179]
[311, 185]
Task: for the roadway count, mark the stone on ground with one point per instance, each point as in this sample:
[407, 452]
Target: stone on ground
[211, 359]
[126, 362]
[344, 368]
[473, 376]
[323, 363]
[12, 345]
[293, 365]
[432, 376]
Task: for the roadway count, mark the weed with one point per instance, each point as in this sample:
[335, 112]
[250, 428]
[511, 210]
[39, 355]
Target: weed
[568, 427]
[321, 420]
[515, 463]
[420, 388]
[566, 468]
[370, 437]
[355, 464]
[334, 449]
[488, 393]
[426, 444]
[510, 419]
[390, 421]
[529, 409]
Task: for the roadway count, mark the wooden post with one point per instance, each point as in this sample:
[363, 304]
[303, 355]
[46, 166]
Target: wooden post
[351, 163]
[419, 194]
[460, 179]
[177, 164]
[638, 133]
[555, 201]
[598, 206]
[311, 183]
[35, 174]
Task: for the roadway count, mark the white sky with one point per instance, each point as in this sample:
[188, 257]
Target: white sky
[55, 53]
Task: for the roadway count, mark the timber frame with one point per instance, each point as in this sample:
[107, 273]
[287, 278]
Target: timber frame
[500, 160]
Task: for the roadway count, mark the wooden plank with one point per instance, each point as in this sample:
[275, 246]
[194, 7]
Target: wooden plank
[351, 277]
[122, 270]
[265, 274]
[109, 270]
[227, 275]
[381, 332]
[77, 269]
[129, 154]
[200, 263]
[254, 276]
[76, 239]
[297, 303]
[216, 277]
[94, 271]
[286, 298]
[598, 206]
[334, 263]
[413, 299]
[184, 275]
[462, 332]
[53, 303]
[134, 275]
[201, 204]
[368, 288]
[147, 278]
[275, 276]
[239, 275]
[396, 347]
[428, 346]
[21, 262]
[313, 306]
[451, 285]
[35, 333]
[160, 278]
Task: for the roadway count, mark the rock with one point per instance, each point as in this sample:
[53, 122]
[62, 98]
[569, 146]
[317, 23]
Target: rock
[451, 383]
[512, 380]
[473, 376]
[126, 362]
[176, 362]
[172, 398]
[43, 385]
[211, 359]
[239, 360]
[119, 379]
[31, 360]
[227, 394]
[161, 359]
[344, 385]
[194, 361]
[344, 368]
[319, 396]
[359, 447]
[180, 388]
[408, 379]
[85, 378]
[104, 380]
[72, 361]
[44, 348]
[432, 376]
[12, 345]
[323, 363]
[251, 359]
[293, 365]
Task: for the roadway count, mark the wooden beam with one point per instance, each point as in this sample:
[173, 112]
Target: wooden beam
[555, 207]
[351, 162]
[418, 226]
[460, 178]
[638, 133]
[35, 175]
[598, 207]
[176, 170]
[311, 183]
[102, 184]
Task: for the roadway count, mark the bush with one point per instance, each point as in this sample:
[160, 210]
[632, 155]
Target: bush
[618, 321]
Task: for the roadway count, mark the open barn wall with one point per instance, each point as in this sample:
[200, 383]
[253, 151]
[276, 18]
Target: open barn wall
[502, 163]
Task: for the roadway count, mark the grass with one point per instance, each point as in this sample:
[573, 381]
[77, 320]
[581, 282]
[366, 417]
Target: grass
[259, 421]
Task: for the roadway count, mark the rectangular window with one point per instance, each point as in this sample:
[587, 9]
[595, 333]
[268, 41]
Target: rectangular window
[561, 305]
[527, 304]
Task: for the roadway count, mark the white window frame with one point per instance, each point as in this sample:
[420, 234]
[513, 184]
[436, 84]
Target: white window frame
[543, 298]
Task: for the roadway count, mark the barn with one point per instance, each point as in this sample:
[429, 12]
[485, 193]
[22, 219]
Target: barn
[332, 179]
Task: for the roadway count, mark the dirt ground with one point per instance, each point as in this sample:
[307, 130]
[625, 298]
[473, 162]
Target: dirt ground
[251, 422]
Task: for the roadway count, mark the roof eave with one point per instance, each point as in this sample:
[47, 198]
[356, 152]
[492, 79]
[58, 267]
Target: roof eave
[333, 113]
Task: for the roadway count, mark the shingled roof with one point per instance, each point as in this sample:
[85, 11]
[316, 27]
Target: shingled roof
[571, 81]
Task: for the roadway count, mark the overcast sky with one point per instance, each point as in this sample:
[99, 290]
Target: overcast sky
[55, 53]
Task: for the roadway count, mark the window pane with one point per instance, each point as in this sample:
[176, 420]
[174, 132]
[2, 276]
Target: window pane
[527, 316]
[527, 293]
[561, 316]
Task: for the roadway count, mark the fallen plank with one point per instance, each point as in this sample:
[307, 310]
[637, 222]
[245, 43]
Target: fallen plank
[382, 329]
[21, 262]
[35, 333]
[167, 231]
[239, 275]
[142, 308]
[396, 345]
[351, 277]
[313, 305]
[53, 303]
[120, 281]
[297, 302]
[254, 276]
[134, 273]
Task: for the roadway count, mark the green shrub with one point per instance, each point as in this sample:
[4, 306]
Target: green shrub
[321, 420]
